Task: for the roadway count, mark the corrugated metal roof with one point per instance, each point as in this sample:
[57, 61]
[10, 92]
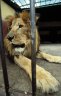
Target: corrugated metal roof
[38, 3]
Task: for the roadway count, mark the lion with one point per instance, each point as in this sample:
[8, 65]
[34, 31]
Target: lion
[18, 44]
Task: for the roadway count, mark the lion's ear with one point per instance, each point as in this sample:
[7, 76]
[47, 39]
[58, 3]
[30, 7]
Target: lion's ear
[25, 16]
[37, 16]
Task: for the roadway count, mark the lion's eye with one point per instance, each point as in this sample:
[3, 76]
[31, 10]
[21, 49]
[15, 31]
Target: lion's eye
[20, 26]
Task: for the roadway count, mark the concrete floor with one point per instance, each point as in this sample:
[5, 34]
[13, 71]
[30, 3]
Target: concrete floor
[19, 80]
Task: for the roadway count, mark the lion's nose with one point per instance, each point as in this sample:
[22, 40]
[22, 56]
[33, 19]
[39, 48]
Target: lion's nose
[10, 38]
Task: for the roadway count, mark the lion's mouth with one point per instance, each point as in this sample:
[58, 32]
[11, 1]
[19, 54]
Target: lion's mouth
[18, 48]
[18, 45]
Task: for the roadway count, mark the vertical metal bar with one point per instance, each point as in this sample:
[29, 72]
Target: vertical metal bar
[5, 75]
[33, 37]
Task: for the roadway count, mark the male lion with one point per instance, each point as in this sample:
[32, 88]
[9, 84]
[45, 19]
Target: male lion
[18, 44]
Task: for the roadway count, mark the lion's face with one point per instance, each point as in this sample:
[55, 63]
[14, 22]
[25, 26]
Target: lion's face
[20, 35]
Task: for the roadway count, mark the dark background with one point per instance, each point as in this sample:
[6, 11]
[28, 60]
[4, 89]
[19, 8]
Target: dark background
[50, 24]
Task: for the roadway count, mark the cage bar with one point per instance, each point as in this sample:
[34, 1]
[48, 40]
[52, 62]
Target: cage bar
[5, 75]
[33, 54]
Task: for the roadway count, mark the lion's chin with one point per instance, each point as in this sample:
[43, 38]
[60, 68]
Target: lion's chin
[19, 50]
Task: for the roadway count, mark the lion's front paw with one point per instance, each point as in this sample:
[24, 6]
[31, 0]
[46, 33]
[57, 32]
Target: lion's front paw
[45, 81]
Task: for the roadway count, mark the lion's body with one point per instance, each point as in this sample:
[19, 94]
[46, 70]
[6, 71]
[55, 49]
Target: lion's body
[20, 48]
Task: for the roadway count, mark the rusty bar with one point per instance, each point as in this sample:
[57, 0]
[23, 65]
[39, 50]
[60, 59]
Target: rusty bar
[33, 36]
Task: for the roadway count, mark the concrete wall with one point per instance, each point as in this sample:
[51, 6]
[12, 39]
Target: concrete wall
[6, 10]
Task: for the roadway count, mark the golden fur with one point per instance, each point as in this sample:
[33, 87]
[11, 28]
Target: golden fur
[20, 34]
